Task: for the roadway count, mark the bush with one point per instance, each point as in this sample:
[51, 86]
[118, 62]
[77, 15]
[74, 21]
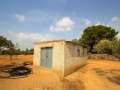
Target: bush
[115, 46]
[104, 46]
[108, 47]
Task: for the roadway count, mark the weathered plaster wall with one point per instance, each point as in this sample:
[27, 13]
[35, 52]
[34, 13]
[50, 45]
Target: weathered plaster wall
[58, 55]
[66, 57]
[73, 58]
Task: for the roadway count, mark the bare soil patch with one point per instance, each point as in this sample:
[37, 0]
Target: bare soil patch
[95, 75]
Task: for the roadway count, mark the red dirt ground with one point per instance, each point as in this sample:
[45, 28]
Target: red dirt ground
[95, 75]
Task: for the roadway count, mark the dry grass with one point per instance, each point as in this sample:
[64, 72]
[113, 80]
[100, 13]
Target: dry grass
[96, 75]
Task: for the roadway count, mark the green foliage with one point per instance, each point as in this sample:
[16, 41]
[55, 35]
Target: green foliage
[104, 46]
[23, 52]
[5, 43]
[115, 46]
[27, 51]
[93, 34]
[8, 48]
[108, 47]
[76, 41]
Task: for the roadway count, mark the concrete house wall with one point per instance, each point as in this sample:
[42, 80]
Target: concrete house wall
[65, 58]
[58, 54]
[74, 58]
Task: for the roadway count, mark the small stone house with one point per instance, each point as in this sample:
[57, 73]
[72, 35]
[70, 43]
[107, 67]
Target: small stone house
[60, 56]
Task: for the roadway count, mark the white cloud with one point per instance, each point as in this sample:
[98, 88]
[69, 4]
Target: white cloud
[63, 25]
[118, 35]
[100, 23]
[114, 19]
[86, 22]
[20, 18]
[26, 39]
[115, 23]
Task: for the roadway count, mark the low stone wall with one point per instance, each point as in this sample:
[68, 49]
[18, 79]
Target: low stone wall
[103, 56]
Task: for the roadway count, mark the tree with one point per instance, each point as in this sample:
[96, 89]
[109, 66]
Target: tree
[103, 47]
[6, 46]
[76, 41]
[93, 34]
[28, 51]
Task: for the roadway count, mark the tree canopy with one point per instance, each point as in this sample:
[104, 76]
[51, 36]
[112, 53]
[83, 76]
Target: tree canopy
[93, 34]
[5, 43]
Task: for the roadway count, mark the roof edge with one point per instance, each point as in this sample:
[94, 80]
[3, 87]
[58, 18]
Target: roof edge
[61, 40]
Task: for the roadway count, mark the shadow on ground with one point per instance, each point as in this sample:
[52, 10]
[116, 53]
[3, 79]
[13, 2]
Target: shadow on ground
[73, 85]
[15, 70]
[112, 75]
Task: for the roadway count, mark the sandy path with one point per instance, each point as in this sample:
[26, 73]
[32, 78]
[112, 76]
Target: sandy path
[93, 81]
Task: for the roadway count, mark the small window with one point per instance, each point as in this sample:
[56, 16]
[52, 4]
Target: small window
[78, 52]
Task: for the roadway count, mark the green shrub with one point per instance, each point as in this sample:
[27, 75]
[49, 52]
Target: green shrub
[108, 47]
[115, 46]
[103, 46]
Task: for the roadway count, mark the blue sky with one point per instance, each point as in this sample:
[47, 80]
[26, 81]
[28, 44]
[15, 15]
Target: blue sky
[28, 21]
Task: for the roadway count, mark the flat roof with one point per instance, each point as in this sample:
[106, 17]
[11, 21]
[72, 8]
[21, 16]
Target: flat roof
[61, 40]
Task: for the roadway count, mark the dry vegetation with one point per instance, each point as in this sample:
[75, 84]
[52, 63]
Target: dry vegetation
[95, 75]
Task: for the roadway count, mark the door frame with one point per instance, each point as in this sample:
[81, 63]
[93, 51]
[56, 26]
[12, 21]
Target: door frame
[46, 59]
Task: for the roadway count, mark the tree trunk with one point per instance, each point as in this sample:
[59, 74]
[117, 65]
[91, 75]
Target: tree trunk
[11, 58]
